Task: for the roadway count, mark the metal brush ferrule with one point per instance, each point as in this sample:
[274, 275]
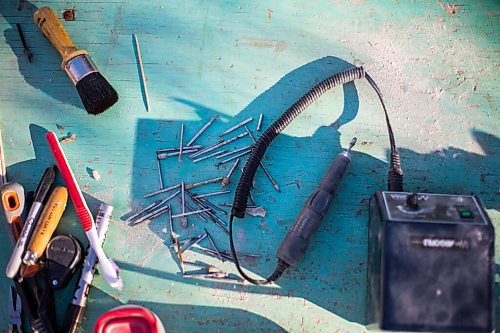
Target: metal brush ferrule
[79, 67]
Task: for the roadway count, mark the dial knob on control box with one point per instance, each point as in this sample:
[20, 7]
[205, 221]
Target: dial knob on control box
[412, 201]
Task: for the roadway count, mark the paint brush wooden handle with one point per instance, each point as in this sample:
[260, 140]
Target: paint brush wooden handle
[46, 19]
[46, 225]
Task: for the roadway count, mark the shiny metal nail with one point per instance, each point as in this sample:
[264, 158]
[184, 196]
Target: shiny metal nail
[143, 210]
[151, 215]
[176, 149]
[234, 151]
[200, 131]
[195, 242]
[210, 155]
[184, 221]
[199, 196]
[162, 191]
[227, 179]
[234, 157]
[273, 182]
[205, 182]
[235, 127]
[213, 244]
[191, 209]
[181, 142]
[163, 156]
[259, 124]
[190, 213]
[219, 144]
[211, 205]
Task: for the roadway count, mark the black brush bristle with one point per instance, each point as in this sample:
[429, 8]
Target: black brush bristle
[96, 93]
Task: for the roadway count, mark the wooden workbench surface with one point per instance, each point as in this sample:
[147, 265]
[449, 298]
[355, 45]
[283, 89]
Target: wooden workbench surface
[436, 64]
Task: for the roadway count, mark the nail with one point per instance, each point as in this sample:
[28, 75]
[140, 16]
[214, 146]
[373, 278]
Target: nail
[200, 131]
[275, 185]
[259, 124]
[211, 205]
[181, 142]
[199, 196]
[184, 221]
[160, 175]
[205, 182]
[214, 254]
[191, 209]
[250, 196]
[190, 213]
[234, 151]
[195, 242]
[166, 150]
[211, 155]
[151, 215]
[217, 145]
[213, 244]
[243, 123]
[234, 157]
[163, 156]
[171, 225]
[227, 179]
[162, 191]
[212, 217]
[142, 210]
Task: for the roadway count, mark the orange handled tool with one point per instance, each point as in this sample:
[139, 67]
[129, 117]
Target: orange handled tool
[47, 223]
[12, 195]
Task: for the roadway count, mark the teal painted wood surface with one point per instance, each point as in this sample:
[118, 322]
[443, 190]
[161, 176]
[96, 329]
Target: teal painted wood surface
[235, 59]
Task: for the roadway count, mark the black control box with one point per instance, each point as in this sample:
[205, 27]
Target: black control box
[431, 263]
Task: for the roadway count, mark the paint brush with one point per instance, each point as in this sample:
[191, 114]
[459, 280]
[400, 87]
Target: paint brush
[96, 93]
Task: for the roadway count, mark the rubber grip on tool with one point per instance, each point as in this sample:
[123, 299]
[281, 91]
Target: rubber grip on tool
[46, 19]
[295, 244]
[69, 179]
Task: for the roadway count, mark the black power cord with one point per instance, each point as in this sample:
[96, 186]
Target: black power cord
[395, 175]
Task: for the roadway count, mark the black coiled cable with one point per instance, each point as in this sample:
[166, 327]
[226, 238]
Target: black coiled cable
[395, 176]
[260, 147]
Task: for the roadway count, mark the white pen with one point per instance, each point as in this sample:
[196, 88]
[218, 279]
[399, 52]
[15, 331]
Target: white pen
[35, 210]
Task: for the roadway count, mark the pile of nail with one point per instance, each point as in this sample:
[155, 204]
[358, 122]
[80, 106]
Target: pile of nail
[198, 205]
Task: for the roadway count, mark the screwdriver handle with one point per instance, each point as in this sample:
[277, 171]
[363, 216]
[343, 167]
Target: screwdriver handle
[295, 244]
[49, 219]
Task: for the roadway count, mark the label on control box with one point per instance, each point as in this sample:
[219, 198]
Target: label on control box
[432, 208]
[442, 243]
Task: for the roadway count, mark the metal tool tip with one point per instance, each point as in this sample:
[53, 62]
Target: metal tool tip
[352, 143]
[277, 187]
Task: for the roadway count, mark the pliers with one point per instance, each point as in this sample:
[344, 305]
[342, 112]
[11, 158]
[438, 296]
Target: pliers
[14, 312]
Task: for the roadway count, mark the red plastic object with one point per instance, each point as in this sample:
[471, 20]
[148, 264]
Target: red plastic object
[69, 179]
[129, 319]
